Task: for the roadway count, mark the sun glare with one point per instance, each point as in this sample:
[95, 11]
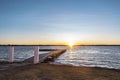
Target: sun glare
[70, 44]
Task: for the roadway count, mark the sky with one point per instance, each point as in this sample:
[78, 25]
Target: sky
[82, 22]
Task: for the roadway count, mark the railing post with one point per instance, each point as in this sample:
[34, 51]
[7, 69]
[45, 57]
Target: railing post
[36, 54]
[11, 55]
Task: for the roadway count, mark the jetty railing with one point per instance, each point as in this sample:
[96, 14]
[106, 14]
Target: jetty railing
[54, 53]
[36, 54]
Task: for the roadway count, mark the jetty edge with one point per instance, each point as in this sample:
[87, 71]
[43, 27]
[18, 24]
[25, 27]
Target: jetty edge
[47, 57]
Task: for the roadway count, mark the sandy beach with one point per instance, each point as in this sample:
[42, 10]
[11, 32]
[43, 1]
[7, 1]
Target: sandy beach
[45, 71]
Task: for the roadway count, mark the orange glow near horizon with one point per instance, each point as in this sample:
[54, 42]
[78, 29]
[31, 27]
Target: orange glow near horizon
[71, 44]
[60, 42]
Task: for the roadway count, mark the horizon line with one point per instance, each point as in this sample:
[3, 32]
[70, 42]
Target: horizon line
[58, 45]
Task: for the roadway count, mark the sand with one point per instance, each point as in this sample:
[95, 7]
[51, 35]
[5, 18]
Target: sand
[45, 71]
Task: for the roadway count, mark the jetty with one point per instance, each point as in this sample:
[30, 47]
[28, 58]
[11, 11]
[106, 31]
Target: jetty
[46, 57]
[38, 58]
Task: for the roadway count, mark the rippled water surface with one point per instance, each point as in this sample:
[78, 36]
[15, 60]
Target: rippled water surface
[94, 56]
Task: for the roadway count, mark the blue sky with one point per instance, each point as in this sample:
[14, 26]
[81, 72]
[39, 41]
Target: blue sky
[59, 21]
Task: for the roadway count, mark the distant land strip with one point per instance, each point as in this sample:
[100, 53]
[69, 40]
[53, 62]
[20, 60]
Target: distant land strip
[56, 45]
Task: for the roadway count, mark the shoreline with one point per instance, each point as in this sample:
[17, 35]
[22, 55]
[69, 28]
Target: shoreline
[85, 66]
[19, 64]
[46, 71]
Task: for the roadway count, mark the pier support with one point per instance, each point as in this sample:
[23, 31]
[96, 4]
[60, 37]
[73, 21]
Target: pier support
[11, 55]
[36, 54]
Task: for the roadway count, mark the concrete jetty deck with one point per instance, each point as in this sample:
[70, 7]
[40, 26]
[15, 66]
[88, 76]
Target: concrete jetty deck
[46, 57]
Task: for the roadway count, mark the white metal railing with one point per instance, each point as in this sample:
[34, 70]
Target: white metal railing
[36, 54]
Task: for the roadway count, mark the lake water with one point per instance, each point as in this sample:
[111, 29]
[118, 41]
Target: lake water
[92, 56]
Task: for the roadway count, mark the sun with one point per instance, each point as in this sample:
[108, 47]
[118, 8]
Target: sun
[71, 44]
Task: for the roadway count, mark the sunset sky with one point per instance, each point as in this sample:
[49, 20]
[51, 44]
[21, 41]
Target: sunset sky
[60, 21]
